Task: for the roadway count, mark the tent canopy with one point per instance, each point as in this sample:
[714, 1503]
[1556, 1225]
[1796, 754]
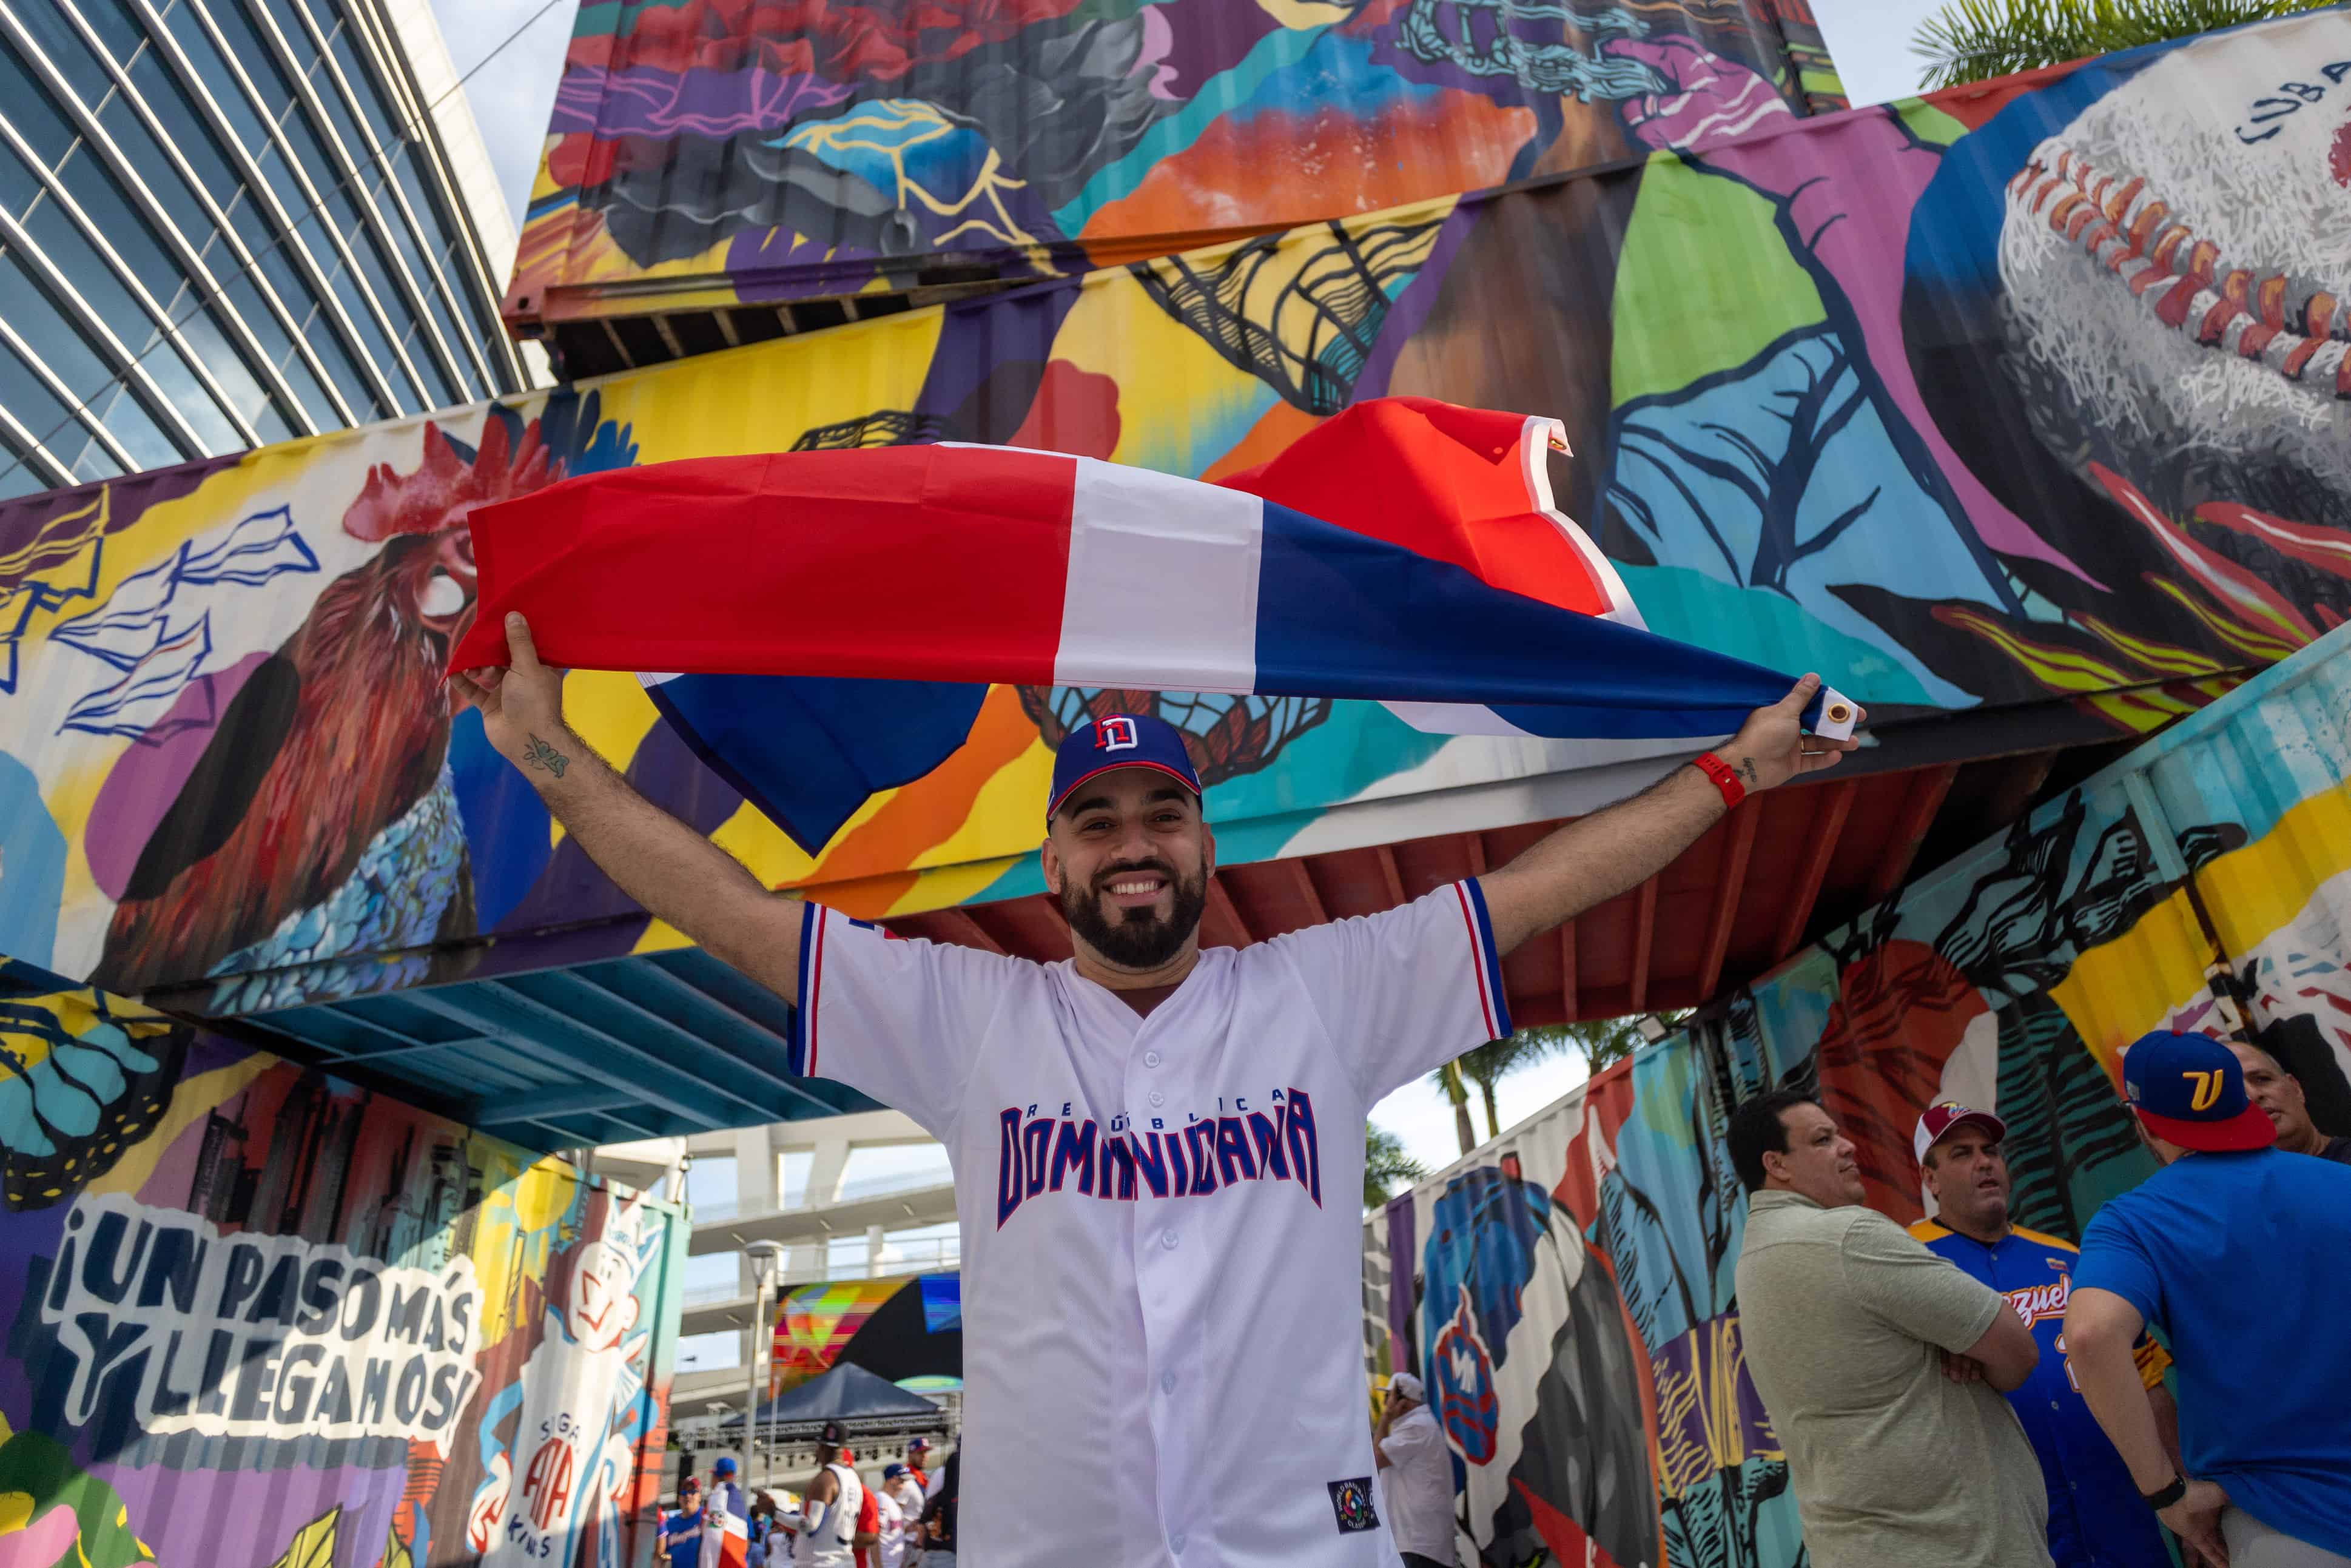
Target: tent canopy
[849, 1395]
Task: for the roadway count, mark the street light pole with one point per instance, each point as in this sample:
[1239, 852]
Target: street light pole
[767, 1266]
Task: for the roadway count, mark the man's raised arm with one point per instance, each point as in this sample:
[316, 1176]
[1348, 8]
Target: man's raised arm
[1614, 849]
[674, 871]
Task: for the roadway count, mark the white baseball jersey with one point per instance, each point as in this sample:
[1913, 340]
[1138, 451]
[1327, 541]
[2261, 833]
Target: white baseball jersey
[1161, 1250]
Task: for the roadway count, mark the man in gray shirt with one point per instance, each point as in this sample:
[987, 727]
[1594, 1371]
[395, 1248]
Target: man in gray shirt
[1881, 1364]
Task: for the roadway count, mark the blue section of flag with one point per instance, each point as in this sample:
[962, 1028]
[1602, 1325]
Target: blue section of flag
[807, 751]
[1342, 615]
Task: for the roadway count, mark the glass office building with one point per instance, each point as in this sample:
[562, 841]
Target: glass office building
[225, 223]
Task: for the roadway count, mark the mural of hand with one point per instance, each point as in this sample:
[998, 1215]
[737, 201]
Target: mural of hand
[1710, 98]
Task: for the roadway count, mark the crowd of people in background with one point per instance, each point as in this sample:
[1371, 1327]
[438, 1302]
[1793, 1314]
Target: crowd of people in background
[836, 1520]
[1972, 1393]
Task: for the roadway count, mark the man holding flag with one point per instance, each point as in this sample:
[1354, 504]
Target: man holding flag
[1160, 1253]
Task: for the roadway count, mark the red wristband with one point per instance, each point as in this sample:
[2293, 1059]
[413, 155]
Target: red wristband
[1716, 769]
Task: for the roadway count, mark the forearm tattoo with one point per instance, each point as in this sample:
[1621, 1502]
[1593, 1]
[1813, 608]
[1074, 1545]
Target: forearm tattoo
[539, 754]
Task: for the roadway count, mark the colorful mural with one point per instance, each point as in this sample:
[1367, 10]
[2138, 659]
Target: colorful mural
[906, 1329]
[1567, 1293]
[716, 151]
[258, 1317]
[1815, 430]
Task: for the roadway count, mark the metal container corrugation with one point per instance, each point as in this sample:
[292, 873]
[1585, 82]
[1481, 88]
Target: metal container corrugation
[262, 1315]
[711, 152]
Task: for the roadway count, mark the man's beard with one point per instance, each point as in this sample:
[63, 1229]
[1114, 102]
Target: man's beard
[1136, 938]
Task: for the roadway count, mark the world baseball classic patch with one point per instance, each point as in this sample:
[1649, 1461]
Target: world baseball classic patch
[1351, 1505]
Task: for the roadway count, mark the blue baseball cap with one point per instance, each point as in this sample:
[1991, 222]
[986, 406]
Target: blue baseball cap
[2189, 1090]
[725, 1467]
[890, 1472]
[1120, 740]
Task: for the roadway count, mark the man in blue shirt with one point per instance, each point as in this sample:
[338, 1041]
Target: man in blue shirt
[682, 1532]
[2096, 1517]
[2241, 1255]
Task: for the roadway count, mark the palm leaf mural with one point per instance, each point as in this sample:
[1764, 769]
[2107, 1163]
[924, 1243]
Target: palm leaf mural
[313, 1545]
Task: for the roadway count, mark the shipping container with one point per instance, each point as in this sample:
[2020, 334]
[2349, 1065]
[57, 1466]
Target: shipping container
[1829, 411]
[1566, 1292]
[262, 1318]
[719, 171]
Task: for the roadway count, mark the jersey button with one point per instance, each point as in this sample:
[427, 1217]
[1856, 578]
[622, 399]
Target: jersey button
[1175, 1544]
[1168, 1238]
[1166, 1383]
[1157, 1098]
[1150, 1059]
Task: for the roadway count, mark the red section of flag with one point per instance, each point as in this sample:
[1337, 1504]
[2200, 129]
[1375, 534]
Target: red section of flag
[1443, 481]
[866, 564]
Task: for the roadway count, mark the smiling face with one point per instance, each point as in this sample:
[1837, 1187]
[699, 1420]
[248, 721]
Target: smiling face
[1129, 859]
[1968, 1173]
[602, 1306]
[1819, 1161]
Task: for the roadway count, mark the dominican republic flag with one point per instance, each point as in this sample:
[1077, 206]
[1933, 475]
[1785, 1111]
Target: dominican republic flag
[831, 621]
[725, 1538]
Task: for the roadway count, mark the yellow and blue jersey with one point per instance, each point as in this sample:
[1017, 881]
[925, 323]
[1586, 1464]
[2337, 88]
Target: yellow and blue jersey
[2096, 1519]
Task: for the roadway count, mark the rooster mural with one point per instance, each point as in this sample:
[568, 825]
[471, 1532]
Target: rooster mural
[327, 814]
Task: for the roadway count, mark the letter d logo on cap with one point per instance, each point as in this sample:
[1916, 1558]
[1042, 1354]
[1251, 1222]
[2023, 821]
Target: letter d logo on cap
[1115, 733]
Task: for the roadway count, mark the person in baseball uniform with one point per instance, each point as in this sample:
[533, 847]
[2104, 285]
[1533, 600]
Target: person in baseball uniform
[1160, 1247]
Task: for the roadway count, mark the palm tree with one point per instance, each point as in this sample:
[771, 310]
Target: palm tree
[1448, 1079]
[1385, 1163]
[1600, 1042]
[1975, 40]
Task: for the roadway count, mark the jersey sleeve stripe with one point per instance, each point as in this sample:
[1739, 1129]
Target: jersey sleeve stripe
[800, 1057]
[1487, 963]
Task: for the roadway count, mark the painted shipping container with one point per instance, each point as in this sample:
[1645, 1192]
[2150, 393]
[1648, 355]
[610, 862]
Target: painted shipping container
[705, 153]
[1842, 398]
[260, 1318]
[1567, 1291]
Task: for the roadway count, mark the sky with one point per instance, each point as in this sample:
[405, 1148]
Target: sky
[514, 95]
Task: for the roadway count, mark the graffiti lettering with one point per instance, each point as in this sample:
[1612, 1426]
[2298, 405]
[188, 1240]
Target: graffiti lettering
[2288, 98]
[255, 1335]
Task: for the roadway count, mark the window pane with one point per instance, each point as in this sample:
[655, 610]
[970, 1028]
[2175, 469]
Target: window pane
[278, 349]
[164, 183]
[212, 346]
[47, 331]
[29, 109]
[18, 475]
[440, 389]
[88, 272]
[128, 420]
[260, 66]
[56, 37]
[244, 123]
[184, 125]
[36, 408]
[112, 21]
[92, 461]
[373, 108]
[110, 210]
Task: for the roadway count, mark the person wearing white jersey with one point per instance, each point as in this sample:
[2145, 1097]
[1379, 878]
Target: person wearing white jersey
[903, 1486]
[1161, 1250]
[1415, 1477]
[890, 1530]
[826, 1521]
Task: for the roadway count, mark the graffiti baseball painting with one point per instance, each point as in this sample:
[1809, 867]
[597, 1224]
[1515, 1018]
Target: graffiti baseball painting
[258, 1317]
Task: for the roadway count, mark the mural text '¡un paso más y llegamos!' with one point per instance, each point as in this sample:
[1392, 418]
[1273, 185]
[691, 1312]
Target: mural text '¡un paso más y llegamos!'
[1567, 1295]
[258, 1318]
[2031, 395]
